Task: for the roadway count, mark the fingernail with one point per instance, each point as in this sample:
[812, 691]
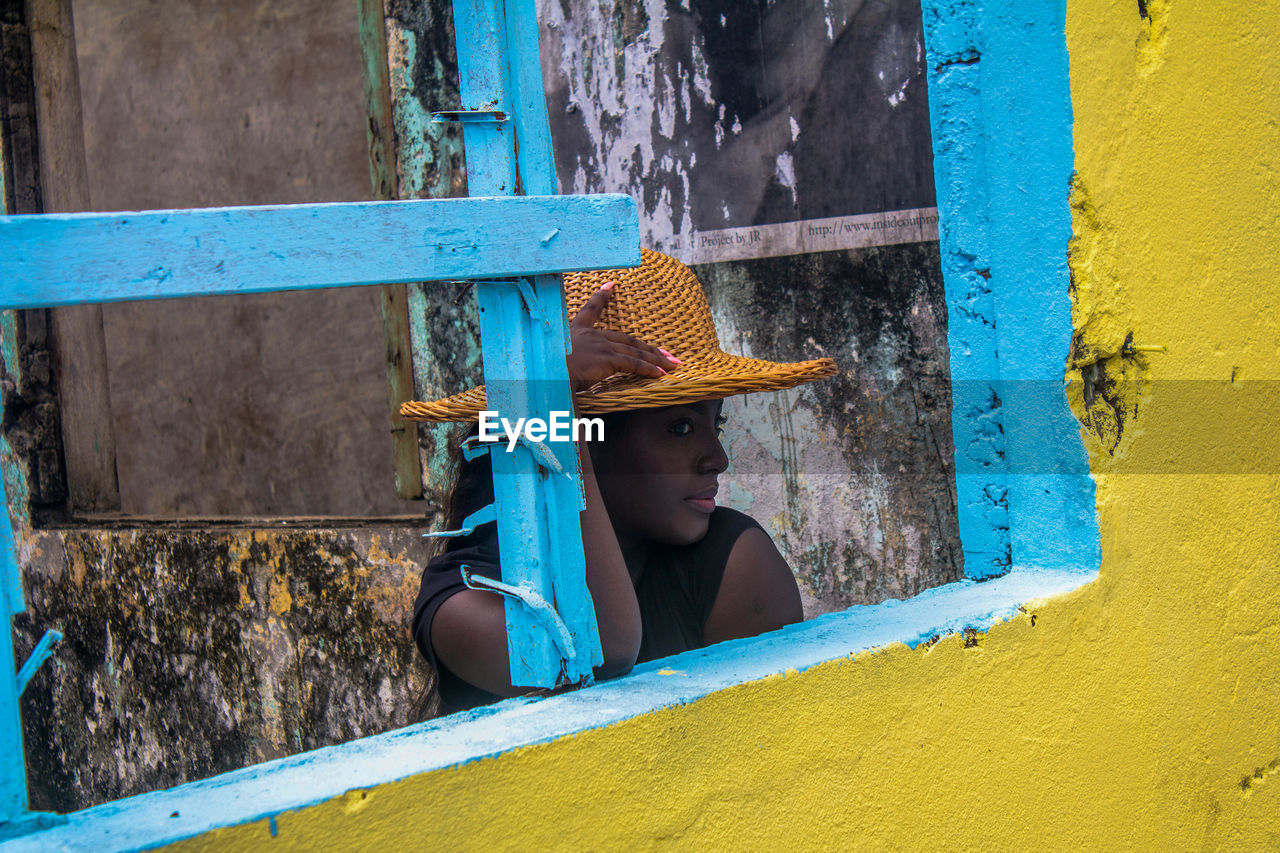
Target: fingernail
[664, 373]
[671, 358]
[608, 285]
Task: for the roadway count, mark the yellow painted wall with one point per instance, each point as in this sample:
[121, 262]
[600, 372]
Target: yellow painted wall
[1140, 712]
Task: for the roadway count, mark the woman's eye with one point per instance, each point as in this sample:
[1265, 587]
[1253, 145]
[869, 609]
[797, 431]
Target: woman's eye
[681, 428]
[720, 422]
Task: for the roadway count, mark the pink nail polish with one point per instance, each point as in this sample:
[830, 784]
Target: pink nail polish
[671, 358]
[608, 285]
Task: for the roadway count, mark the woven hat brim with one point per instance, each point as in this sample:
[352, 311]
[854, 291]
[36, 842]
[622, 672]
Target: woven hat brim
[710, 377]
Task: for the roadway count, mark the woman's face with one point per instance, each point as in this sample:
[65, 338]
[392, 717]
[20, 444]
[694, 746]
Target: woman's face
[657, 471]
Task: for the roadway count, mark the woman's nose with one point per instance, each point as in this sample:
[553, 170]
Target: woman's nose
[713, 458]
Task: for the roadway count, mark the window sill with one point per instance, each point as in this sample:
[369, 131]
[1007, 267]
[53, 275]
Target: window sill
[259, 792]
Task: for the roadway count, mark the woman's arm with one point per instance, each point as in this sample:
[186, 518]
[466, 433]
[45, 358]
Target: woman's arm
[758, 593]
[469, 631]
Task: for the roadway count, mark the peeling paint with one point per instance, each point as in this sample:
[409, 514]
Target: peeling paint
[686, 85]
[1153, 32]
[1108, 385]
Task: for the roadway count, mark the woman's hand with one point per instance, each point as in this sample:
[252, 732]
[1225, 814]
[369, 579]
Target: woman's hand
[597, 354]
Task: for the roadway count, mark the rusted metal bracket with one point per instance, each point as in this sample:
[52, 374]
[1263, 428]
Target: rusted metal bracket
[41, 653]
[470, 116]
[484, 515]
[541, 609]
[531, 302]
[543, 454]
[473, 447]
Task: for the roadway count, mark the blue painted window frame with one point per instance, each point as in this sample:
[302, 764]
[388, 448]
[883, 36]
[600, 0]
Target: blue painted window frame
[1000, 114]
[514, 242]
[1001, 120]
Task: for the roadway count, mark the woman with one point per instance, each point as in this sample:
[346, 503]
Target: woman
[667, 568]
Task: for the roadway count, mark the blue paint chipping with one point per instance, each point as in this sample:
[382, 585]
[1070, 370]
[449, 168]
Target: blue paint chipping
[1000, 112]
[524, 335]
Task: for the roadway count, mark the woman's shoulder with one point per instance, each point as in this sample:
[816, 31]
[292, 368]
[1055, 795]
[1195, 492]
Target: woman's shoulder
[757, 590]
[705, 561]
[726, 526]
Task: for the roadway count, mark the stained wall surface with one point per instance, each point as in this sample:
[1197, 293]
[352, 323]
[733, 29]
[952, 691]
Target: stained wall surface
[1139, 712]
[193, 651]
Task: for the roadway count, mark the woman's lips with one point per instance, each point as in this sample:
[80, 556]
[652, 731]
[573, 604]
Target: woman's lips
[704, 501]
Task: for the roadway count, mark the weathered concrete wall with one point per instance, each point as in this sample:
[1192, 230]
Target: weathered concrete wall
[192, 651]
[854, 477]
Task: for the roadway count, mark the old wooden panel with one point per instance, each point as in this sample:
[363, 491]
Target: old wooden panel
[404, 434]
[79, 345]
[267, 404]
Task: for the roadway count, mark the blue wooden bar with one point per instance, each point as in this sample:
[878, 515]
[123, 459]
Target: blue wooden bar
[523, 338]
[13, 769]
[72, 258]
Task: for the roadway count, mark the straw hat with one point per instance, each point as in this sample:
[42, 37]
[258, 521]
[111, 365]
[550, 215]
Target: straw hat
[660, 302]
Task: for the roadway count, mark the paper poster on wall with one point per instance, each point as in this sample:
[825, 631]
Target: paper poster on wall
[747, 130]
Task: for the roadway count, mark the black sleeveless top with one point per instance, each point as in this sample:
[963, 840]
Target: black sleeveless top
[675, 592]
